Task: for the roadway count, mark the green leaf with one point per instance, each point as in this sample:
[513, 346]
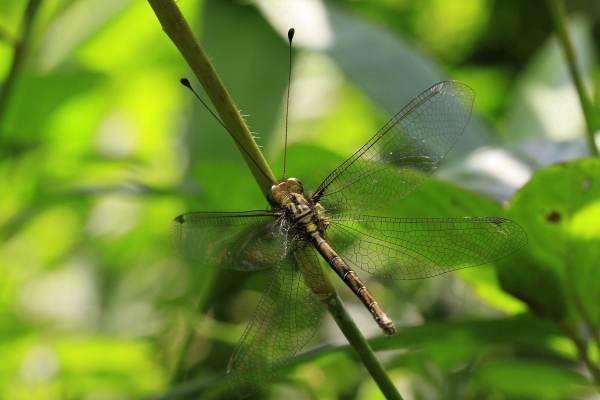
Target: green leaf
[532, 380]
[73, 25]
[536, 284]
[522, 330]
[37, 97]
[557, 275]
[127, 368]
[125, 365]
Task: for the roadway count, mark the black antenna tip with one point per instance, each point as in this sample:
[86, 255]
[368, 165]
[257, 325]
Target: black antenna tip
[185, 82]
[291, 34]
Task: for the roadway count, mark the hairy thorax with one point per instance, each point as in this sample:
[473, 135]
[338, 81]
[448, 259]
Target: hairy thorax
[289, 197]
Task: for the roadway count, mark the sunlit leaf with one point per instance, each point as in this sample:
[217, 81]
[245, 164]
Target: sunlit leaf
[557, 275]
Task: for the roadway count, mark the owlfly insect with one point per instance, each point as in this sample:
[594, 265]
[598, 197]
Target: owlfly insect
[337, 223]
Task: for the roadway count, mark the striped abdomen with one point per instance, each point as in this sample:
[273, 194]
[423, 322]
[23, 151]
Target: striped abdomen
[353, 282]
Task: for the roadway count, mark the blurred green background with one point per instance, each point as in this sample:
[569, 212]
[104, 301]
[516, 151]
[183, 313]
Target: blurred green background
[100, 148]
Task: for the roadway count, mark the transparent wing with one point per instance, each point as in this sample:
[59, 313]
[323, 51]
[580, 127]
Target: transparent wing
[250, 240]
[402, 154]
[284, 322]
[403, 248]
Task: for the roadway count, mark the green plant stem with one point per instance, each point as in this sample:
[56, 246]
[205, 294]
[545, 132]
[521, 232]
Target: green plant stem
[580, 307]
[582, 350]
[177, 374]
[205, 293]
[362, 347]
[19, 54]
[179, 32]
[560, 21]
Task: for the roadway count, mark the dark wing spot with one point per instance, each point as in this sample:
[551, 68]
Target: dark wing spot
[553, 217]
[179, 219]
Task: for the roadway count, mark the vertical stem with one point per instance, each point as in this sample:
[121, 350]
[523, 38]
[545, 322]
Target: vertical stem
[582, 350]
[362, 347]
[206, 292]
[560, 21]
[19, 53]
[179, 32]
[580, 306]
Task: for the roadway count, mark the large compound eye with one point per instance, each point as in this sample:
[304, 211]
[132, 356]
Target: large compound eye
[294, 185]
[275, 195]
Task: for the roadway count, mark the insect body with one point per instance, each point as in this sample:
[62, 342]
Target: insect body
[309, 219]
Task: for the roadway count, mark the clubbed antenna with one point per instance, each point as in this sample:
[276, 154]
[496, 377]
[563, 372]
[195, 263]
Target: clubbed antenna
[287, 103]
[185, 82]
